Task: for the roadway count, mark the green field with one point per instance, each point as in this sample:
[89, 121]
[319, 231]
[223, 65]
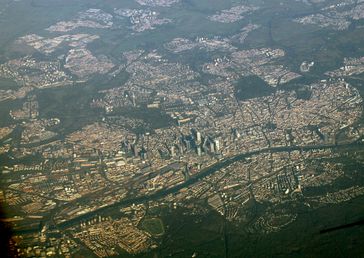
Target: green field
[154, 226]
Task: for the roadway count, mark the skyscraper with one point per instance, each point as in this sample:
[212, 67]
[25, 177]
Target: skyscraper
[173, 151]
[217, 145]
[198, 136]
[212, 147]
[199, 151]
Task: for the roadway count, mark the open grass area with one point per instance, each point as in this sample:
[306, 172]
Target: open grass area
[154, 226]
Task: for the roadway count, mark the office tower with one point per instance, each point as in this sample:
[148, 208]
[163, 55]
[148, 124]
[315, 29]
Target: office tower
[143, 154]
[134, 149]
[180, 149]
[199, 151]
[188, 144]
[217, 145]
[173, 151]
[212, 147]
[198, 136]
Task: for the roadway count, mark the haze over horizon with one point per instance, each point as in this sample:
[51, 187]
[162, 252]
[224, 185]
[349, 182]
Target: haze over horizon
[181, 128]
